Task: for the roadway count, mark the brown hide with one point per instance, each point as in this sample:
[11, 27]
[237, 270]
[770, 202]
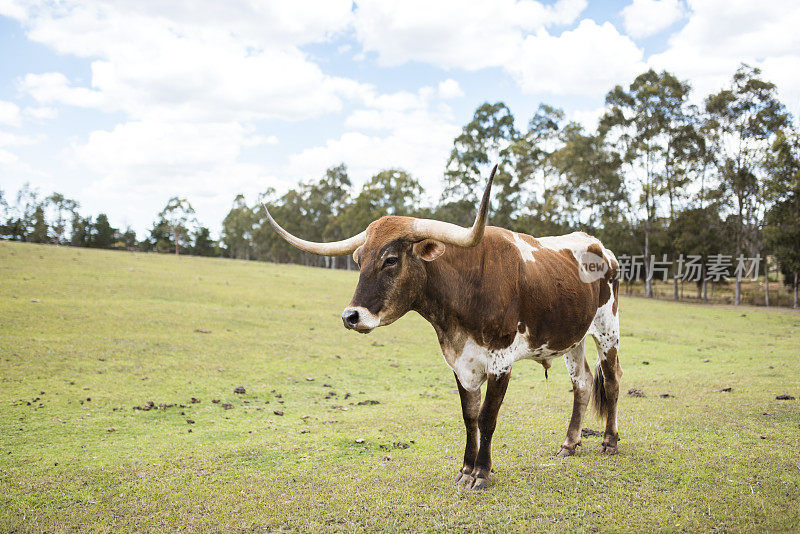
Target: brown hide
[491, 293]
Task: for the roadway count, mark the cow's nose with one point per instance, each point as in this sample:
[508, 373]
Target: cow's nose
[350, 318]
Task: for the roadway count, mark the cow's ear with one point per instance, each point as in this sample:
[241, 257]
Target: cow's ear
[355, 254]
[428, 249]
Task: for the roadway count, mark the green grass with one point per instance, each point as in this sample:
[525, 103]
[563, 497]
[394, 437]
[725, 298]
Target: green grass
[119, 328]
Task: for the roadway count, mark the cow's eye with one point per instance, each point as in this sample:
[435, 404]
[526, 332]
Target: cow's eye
[391, 260]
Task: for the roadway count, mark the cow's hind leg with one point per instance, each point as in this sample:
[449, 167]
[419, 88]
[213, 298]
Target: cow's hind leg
[470, 409]
[581, 377]
[605, 331]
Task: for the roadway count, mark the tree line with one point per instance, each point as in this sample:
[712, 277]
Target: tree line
[660, 176]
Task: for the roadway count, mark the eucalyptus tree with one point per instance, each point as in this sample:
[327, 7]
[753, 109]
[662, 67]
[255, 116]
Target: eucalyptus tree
[649, 123]
[389, 192]
[484, 140]
[202, 244]
[742, 121]
[782, 229]
[103, 235]
[536, 207]
[178, 216]
[237, 229]
[591, 185]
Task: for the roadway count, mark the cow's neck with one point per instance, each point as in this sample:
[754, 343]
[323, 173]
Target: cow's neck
[449, 303]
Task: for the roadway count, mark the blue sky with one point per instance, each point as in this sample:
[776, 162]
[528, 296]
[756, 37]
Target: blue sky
[123, 104]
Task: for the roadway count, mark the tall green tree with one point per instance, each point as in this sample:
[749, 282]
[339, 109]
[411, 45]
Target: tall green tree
[128, 238]
[178, 215]
[62, 207]
[237, 229]
[483, 141]
[202, 244]
[743, 119]
[80, 234]
[782, 229]
[646, 122]
[103, 235]
[591, 189]
[532, 204]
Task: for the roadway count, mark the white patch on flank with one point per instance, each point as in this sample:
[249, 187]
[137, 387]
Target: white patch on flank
[526, 250]
[366, 319]
[476, 362]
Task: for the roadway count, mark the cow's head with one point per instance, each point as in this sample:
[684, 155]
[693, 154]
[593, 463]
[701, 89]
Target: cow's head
[391, 255]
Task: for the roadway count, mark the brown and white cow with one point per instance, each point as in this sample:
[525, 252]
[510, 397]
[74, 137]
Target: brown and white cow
[494, 297]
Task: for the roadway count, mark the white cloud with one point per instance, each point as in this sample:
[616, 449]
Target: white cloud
[454, 33]
[9, 113]
[142, 163]
[42, 112]
[450, 88]
[643, 18]
[9, 139]
[54, 87]
[514, 35]
[192, 61]
[588, 118]
[405, 130]
[7, 158]
[720, 34]
[588, 60]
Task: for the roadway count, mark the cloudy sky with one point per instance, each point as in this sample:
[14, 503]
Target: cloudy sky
[123, 104]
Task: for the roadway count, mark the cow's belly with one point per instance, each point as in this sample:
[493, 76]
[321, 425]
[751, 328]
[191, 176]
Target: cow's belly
[475, 362]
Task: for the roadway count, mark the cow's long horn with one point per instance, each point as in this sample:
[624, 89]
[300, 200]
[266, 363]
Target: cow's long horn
[334, 248]
[453, 234]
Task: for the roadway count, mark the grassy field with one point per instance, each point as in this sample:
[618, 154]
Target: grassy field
[87, 336]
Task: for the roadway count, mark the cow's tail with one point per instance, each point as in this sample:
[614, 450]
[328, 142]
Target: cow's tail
[599, 400]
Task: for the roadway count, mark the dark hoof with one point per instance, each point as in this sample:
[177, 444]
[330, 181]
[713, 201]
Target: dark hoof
[464, 476]
[480, 483]
[565, 451]
[607, 448]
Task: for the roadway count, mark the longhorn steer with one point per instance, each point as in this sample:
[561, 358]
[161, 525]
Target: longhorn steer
[494, 297]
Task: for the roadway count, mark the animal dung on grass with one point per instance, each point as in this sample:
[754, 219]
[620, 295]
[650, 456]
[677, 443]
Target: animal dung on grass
[633, 392]
[239, 390]
[368, 402]
[784, 397]
[202, 331]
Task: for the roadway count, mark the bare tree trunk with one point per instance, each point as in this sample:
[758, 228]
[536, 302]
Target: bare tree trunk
[766, 281]
[177, 240]
[795, 291]
[648, 283]
[705, 284]
[739, 238]
[675, 288]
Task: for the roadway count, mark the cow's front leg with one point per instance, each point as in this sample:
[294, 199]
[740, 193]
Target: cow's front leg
[470, 409]
[496, 386]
